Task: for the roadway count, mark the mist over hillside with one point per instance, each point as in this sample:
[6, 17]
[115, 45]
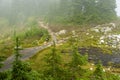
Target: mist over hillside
[59, 40]
[17, 11]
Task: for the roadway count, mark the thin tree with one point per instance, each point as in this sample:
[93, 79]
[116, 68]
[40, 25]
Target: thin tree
[53, 61]
[19, 69]
[99, 73]
[78, 60]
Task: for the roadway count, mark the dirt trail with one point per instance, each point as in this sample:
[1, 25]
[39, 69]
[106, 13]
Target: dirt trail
[29, 52]
[49, 30]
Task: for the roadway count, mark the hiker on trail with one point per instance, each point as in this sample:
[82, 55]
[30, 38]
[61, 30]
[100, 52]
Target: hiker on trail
[47, 39]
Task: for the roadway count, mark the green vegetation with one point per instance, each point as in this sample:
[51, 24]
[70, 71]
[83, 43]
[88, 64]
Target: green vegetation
[55, 66]
[34, 35]
[19, 69]
[65, 56]
[59, 11]
[19, 25]
[84, 12]
[30, 34]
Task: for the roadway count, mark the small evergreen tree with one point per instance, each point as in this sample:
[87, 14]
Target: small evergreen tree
[99, 73]
[3, 75]
[78, 60]
[20, 70]
[53, 69]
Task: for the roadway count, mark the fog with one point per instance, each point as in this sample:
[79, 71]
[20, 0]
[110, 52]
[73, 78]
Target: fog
[118, 7]
[19, 10]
